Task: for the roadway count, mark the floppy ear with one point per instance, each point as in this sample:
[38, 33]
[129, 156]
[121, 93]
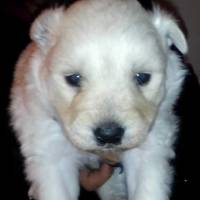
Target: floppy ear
[45, 28]
[169, 29]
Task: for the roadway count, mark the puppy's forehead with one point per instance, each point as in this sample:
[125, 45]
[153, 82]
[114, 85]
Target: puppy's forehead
[118, 31]
[93, 17]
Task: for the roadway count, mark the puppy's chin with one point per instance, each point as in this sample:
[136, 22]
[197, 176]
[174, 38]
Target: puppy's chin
[109, 156]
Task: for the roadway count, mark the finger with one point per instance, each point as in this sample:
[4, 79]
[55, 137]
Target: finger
[105, 171]
[91, 180]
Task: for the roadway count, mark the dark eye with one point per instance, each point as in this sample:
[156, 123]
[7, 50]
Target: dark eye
[142, 78]
[73, 80]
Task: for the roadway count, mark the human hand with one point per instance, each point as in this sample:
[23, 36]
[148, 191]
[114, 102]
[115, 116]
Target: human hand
[93, 179]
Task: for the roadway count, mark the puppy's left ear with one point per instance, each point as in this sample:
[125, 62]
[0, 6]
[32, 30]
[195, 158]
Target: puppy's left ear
[45, 28]
[169, 29]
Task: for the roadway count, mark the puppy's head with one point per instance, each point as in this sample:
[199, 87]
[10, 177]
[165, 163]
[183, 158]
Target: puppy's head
[105, 65]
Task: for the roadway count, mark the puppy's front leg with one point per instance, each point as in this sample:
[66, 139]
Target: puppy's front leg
[148, 176]
[50, 159]
[52, 181]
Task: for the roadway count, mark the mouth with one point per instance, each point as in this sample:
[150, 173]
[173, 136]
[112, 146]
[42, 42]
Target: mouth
[110, 147]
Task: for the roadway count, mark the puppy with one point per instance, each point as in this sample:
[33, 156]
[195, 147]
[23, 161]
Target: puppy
[97, 84]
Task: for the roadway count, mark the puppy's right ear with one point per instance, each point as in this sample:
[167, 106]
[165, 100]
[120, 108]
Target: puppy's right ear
[169, 30]
[45, 28]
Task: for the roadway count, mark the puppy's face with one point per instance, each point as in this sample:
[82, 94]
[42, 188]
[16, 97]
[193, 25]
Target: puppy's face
[106, 71]
[107, 87]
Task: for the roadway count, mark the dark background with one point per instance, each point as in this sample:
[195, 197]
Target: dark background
[15, 22]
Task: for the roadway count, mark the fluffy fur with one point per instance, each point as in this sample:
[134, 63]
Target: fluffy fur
[108, 42]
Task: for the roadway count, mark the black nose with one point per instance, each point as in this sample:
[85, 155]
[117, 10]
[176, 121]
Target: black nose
[109, 133]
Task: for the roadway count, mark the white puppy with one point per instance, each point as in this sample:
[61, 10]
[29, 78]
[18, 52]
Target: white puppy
[98, 82]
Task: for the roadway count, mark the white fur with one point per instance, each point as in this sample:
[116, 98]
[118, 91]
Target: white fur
[107, 42]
